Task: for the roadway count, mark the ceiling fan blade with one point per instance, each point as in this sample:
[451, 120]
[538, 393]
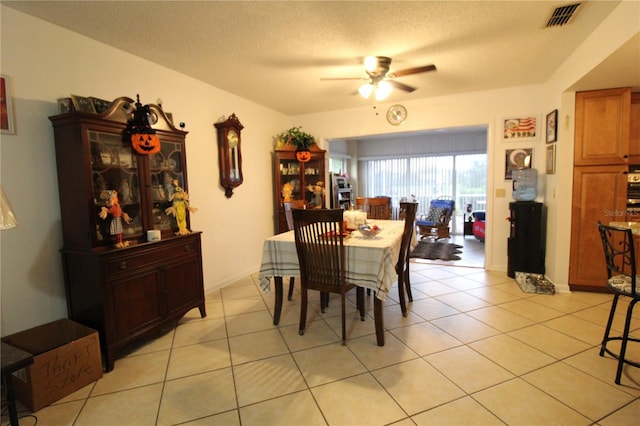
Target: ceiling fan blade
[410, 71]
[342, 78]
[401, 86]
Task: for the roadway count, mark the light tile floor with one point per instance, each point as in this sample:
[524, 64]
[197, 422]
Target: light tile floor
[474, 349]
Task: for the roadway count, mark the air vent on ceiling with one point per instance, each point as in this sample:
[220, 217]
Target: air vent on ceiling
[562, 15]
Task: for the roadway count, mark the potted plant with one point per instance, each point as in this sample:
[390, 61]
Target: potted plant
[301, 140]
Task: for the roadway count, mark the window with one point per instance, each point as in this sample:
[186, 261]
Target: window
[461, 176]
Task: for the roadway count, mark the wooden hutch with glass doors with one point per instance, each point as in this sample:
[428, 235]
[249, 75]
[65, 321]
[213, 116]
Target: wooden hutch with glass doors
[298, 180]
[132, 290]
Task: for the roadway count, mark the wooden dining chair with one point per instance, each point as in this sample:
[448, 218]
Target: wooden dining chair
[620, 258]
[375, 207]
[402, 267]
[322, 258]
[288, 205]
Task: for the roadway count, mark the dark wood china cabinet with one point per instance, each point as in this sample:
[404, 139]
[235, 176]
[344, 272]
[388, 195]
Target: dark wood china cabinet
[133, 290]
[295, 180]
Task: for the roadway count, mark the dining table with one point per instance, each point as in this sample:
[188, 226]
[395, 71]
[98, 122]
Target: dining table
[370, 263]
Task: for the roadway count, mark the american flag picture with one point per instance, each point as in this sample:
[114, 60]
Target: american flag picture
[518, 128]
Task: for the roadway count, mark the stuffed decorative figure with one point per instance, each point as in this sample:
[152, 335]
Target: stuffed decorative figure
[180, 200]
[287, 192]
[117, 216]
[318, 191]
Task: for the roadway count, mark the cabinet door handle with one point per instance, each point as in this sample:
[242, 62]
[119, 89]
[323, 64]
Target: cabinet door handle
[124, 265]
[187, 248]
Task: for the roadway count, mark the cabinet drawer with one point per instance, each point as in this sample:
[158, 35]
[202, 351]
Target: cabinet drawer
[148, 256]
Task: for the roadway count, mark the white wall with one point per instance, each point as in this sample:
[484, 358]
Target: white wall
[45, 62]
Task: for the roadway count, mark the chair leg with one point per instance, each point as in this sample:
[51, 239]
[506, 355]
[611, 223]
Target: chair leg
[403, 302]
[607, 330]
[625, 338]
[303, 310]
[324, 301]
[407, 283]
[360, 301]
[291, 285]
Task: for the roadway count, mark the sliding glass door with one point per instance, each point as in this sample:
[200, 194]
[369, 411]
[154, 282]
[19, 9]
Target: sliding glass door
[461, 176]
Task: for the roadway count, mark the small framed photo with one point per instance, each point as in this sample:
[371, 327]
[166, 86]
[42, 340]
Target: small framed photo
[6, 106]
[516, 159]
[552, 126]
[100, 105]
[82, 104]
[551, 159]
[521, 128]
[65, 105]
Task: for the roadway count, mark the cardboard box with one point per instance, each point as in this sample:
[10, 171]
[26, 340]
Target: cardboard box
[66, 358]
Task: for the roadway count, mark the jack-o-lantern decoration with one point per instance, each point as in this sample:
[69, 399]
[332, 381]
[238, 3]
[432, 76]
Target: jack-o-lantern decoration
[303, 156]
[145, 143]
[143, 138]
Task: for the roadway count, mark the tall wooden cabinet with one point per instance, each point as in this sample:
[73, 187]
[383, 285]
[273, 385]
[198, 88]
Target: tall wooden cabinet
[131, 291]
[602, 155]
[295, 180]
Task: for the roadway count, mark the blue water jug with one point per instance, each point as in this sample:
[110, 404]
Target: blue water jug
[525, 183]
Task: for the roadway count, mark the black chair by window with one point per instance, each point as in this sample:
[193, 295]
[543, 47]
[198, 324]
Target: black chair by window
[620, 258]
[322, 258]
[408, 210]
[288, 206]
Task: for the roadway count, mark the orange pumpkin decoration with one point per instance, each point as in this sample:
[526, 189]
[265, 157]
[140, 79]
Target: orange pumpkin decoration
[145, 143]
[143, 138]
[303, 156]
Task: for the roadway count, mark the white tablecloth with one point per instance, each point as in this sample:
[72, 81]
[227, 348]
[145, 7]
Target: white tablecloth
[371, 262]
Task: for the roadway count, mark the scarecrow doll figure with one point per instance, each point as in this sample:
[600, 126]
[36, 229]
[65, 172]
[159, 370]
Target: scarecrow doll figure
[117, 216]
[179, 207]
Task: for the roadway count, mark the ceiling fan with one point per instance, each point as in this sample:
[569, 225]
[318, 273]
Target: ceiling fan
[380, 82]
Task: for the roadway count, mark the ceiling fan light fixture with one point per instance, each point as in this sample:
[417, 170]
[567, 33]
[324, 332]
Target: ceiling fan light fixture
[370, 63]
[366, 90]
[383, 90]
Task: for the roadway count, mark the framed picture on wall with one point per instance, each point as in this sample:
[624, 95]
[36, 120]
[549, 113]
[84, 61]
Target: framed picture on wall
[552, 126]
[516, 159]
[551, 159]
[6, 106]
[521, 128]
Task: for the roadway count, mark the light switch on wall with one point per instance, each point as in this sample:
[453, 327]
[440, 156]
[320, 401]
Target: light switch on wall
[501, 193]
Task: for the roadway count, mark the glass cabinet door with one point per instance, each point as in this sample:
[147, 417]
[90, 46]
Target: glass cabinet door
[115, 180]
[290, 183]
[167, 173]
[314, 184]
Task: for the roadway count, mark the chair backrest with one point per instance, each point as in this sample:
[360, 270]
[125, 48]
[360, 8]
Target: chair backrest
[375, 207]
[619, 253]
[320, 247]
[440, 211]
[288, 205]
[409, 210]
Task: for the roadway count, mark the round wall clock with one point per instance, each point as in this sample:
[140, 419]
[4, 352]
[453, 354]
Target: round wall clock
[396, 114]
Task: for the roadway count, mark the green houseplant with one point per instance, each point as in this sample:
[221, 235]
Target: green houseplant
[301, 140]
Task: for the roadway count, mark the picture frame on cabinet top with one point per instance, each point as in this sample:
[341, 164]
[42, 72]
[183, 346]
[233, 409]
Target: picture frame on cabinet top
[82, 104]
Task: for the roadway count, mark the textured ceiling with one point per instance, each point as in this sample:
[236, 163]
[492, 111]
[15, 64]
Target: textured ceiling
[275, 53]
